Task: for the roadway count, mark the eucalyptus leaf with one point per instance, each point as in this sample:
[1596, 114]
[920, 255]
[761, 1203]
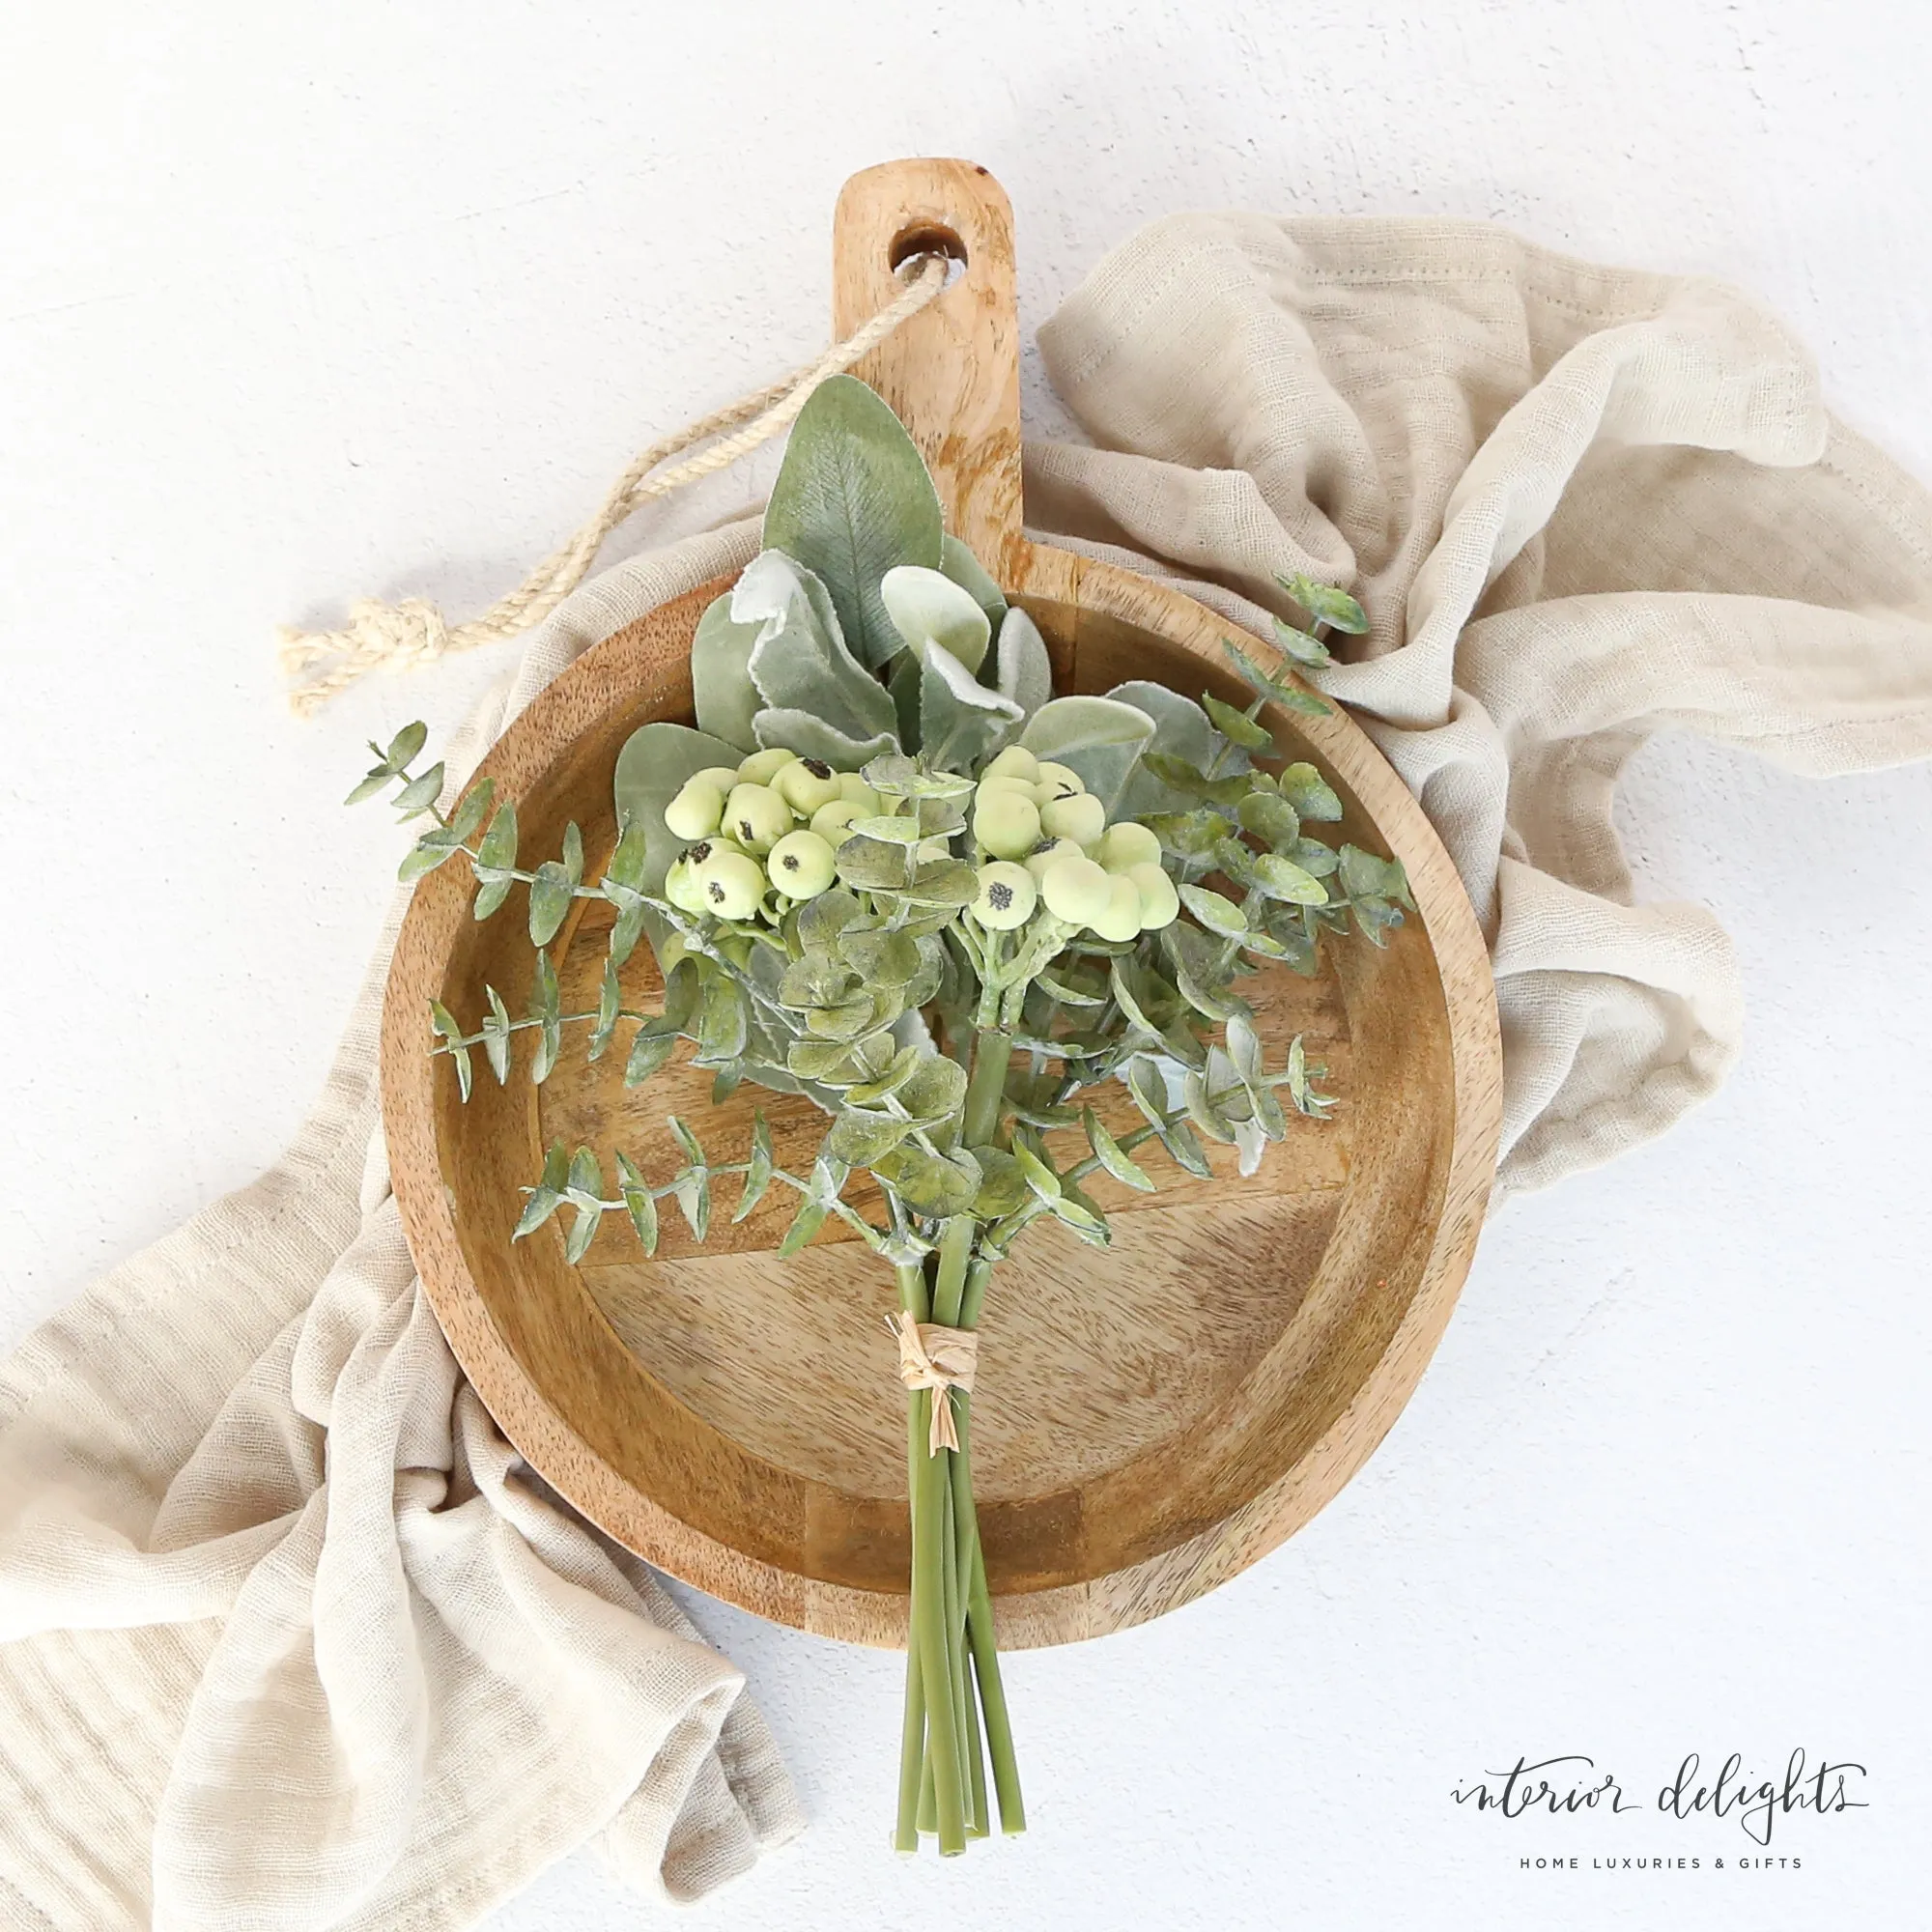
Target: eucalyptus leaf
[608, 997]
[649, 1053]
[1216, 913]
[1280, 878]
[639, 1203]
[546, 1008]
[1111, 1155]
[420, 794]
[1325, 603]
[1309, 792]
[1250, 733]
[758, 1170]
[853, 500]
[1303, 647]
[860, 1137]
[404, 747]
[495, 855]
[496, 1035]
[549, 901]
[468, 816]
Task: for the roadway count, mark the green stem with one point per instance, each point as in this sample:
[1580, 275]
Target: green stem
[986, 1650]
[986, 1086]
[954, 1598]
[929, 1631]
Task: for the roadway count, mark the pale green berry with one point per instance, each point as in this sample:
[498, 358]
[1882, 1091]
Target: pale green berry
[1080, 817]
[732, 884]
[1006, 824]
[1076, 889]
[1007, 782]
[756, 818]
[1160, 903]
[1006, 895]
[834, 822]
[681, 887]
[723, 776]
[762, 767]
[1058, 781]
[1122, 917]
[1015, 762]
[1125, 845]
[800, 865]
[694, 812]
[1037, 863]
[851, 785]
[806, 785]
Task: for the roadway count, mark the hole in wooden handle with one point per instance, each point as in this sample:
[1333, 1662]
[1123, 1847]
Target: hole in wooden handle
[928, 238]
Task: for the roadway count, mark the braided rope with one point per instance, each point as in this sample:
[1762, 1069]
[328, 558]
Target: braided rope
[400, 636]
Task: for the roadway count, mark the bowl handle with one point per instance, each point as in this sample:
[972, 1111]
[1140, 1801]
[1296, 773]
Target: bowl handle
[952, 372]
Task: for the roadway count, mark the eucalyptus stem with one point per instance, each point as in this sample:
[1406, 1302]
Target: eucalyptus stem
[985, 1648]
[912, 1736]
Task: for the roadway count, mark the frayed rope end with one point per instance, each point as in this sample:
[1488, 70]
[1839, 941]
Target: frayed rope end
[378, 637]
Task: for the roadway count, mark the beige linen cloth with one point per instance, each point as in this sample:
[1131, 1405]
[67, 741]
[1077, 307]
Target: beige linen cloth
[295, 1639]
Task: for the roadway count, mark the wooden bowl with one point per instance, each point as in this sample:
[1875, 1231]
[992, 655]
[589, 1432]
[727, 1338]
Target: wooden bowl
[1148, 1420]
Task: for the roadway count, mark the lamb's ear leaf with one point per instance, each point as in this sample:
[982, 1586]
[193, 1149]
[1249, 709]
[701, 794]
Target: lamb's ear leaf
[961, 724]
[799, 660]
[927, 606]
[973, 576]
[1099, 737]
[811, 737]
[852, 500]
[1025, 670]
[651, 771]
[720, 680]
[1182, 730]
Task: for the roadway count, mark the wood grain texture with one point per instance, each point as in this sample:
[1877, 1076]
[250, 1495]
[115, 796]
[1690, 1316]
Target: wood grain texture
[1148, 1420]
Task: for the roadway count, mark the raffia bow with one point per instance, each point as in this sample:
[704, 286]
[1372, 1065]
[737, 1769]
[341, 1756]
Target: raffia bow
[940, 1359]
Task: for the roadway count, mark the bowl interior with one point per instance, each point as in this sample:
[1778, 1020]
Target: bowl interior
[1126, 1400]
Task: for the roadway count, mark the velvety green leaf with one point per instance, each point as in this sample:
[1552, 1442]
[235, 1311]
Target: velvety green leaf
[1003, 1187]
[420, 794]
[971, 575]
[811, 737]
[882, 958]
[405, 745]
[806, 1223]
[723, 1021]
[872, 864]
[1280, 878]
[549, 901]
[1250, 733]
[944, 882]
[425, 856]
[652, 769]
[542, 1204]
[610, 996]
[1111, 1155]
[800, 660]
[1096, 737]
[650, 1052]
[1024, 670]
[497, 852]
[1310, 793]
[853, 500]
[724, 696]
[496, 1035]
[928, 607]
[936, 1087]
[1270, 816]
[639, 1203]
[473, 810]
[1325, 603]
[546, 1008]
[820, 921]
[930, 1185]
[1217, 914]
[961, 724]
[758, 1173]
[1303, 647]
[859, 1138]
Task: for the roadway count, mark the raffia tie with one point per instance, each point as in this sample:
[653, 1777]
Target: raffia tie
[398, 636]
[940, 1359]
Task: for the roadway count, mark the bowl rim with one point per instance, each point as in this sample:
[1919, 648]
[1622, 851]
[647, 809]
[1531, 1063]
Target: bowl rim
[555, 1451]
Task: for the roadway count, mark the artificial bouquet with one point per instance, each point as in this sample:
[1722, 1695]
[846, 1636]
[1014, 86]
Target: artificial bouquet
[891, 872]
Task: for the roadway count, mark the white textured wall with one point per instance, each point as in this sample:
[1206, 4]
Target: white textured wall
[302, 301]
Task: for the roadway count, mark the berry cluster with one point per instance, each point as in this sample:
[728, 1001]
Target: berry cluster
[765, 836]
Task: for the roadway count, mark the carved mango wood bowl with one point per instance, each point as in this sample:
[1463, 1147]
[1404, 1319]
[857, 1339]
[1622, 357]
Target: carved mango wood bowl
[1148, 1419]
